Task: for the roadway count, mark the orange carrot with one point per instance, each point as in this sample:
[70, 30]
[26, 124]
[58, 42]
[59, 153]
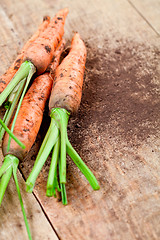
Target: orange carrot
[26, 128]
[65, 99]
[41, 51]
[8, 75]
[67, 89]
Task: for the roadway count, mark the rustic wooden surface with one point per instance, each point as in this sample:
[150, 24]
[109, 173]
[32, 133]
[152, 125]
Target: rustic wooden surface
[116, 130]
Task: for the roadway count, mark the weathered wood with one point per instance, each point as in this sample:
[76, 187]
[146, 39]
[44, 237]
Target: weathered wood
[150, 11]
[116, 129]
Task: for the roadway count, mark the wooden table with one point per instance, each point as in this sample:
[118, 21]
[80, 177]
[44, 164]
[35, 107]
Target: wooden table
[116, 130]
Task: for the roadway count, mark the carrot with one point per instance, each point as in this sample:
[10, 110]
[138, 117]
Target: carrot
[65, 99]
[26, 128]
[37, 57]
[9, 74]
[67, 89]
[40, 52]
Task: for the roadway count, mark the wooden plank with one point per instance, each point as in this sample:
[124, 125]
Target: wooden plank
[150, 11]
[116, 129]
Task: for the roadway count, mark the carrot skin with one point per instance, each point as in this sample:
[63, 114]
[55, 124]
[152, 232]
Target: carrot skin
[67, 88]
[9, 74]
[41, 51]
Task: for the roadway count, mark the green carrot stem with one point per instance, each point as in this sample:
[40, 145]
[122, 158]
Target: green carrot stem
[63, 130]
[6, 173]
[52, 124]
[17, 89]
[29, 76]
[61, 117]
[4, 182]
[21, 74]
[82, 166]
[11, 108]
[52, 139]
[63, 188]
[52, 176]
[20, 200]
[12, 135]
[64, 194]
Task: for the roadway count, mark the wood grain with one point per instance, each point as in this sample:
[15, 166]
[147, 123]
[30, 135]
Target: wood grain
[150, 12]
[117, 126]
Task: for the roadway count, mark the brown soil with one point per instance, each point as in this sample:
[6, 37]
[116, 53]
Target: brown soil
[120, 93]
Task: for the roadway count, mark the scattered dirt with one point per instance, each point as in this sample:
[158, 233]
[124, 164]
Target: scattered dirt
[120, 93]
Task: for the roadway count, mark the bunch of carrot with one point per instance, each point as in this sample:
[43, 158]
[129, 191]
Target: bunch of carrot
[63, 83]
